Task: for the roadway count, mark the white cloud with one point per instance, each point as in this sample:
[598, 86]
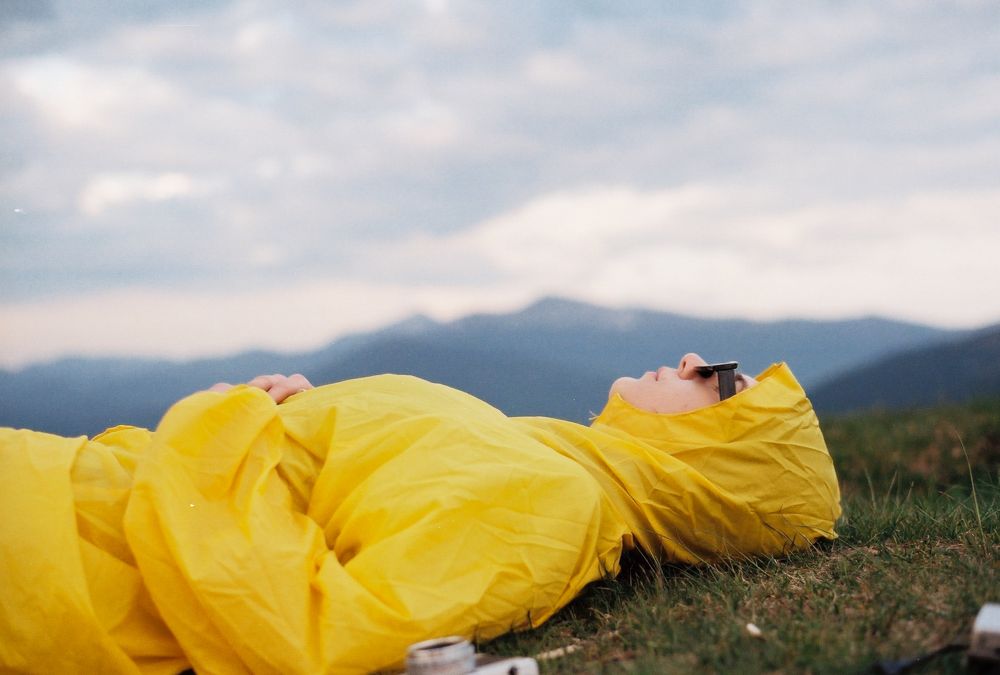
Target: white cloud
[768, 35]
[555, 69]
[425, 124]
[105, 191]
[729, 251]
[436, 6]
[79, 96]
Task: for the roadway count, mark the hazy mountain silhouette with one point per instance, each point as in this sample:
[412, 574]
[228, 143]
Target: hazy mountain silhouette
[554, 358]
[956, 370]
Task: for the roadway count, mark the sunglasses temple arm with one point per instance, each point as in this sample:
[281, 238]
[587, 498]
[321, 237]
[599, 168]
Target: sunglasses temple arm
[727, 384]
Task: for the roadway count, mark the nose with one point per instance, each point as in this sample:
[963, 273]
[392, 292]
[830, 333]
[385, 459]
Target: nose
[686, 369]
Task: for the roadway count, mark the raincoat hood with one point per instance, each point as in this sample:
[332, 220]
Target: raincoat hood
[750, 475]
[763, 444]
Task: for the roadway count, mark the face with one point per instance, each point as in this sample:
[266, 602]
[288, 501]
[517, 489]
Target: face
[674, 390]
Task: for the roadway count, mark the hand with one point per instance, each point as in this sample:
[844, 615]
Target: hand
[278, 387]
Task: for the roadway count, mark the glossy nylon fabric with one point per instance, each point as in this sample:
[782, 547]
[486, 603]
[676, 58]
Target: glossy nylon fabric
[327, 533]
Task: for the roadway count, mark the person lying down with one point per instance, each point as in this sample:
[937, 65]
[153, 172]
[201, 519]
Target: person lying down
[274, 527]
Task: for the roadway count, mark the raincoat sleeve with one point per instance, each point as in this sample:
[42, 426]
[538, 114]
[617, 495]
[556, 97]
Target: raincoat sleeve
[71, 597]
[413, 529]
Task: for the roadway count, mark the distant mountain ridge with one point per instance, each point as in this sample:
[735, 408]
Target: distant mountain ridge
[556, 357]
[633, 340]
[952, 371]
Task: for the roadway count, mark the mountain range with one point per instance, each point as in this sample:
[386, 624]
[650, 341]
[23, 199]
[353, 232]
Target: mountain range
[556, 357]
[942, 372]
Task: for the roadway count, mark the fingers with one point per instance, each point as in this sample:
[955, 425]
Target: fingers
[288, 386]
[265, 382]
[280, 387]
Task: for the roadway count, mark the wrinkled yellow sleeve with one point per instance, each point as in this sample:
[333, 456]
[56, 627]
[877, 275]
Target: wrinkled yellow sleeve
[71, 597]
[416, 526]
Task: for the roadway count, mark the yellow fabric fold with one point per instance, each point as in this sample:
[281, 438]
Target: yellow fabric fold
[71, 597]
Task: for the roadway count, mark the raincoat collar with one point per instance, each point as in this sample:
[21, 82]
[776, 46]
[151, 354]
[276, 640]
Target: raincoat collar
[778, 396]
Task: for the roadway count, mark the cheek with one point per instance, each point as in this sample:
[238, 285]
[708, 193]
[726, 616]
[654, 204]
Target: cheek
[664, 397]
[641, 394]
[632, 390]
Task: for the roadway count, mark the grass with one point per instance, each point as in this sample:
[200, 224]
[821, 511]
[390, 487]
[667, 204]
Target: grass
[918, 555]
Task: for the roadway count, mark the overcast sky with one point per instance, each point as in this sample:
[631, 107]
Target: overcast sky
[184, 178]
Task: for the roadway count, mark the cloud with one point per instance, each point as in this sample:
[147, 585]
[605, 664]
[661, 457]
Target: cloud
[724, 250]
[106, 191]
[84, 97]
[611, 245]
[555, 69]
[614, 153]
[25, 10]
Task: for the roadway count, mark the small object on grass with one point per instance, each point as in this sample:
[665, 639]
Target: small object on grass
[440, 656]
[560, 652]
[985, 643]
[454, 655]
[556, 653]
[754, 631]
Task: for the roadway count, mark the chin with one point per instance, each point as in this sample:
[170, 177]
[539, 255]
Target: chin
[621, 383]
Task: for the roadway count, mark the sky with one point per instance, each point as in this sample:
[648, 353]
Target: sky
[183, 178]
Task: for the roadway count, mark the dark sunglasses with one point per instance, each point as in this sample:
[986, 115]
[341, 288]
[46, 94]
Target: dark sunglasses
[727, 376]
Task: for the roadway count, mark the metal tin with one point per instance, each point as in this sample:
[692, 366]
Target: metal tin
[452, 655]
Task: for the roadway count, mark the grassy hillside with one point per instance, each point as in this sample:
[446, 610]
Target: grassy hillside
[918, 554]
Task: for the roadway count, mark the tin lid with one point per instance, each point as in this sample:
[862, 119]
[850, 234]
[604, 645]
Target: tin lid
[451, 655]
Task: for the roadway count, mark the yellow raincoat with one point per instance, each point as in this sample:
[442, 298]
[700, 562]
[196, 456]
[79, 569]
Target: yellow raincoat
[327, 533]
